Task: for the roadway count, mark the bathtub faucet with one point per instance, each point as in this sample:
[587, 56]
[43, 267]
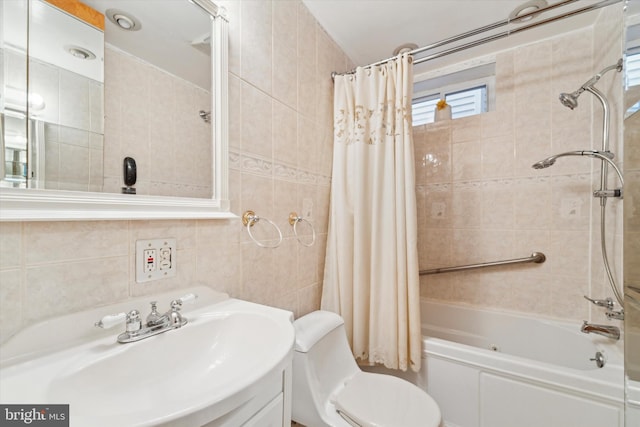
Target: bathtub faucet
[612, 332]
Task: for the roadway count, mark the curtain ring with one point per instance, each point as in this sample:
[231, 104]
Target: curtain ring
[249, 218]
[294, 219]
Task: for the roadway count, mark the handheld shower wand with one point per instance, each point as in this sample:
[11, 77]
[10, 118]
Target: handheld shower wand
[605, 156]
[570, 100]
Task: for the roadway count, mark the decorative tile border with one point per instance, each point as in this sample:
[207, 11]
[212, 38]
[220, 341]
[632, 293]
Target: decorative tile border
[504, 182]
[256, 166]
[285, 172]
[234, 160]
[250, 163]
[306, 177]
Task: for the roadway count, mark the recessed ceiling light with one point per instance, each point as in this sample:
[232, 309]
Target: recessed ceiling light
[36, 101]
[528, 7]
[79, 52]
[123, 20]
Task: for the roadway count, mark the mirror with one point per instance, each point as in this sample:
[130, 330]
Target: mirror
[165, 113]
[631, 214]
[60, 126]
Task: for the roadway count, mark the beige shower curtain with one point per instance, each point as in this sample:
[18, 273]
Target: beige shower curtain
[371, 269]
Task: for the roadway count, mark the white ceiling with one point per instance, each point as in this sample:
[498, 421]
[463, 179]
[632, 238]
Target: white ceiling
[50, 32]
[369, 30]
[165, 39]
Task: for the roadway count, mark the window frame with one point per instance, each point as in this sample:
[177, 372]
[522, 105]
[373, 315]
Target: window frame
[438, 87]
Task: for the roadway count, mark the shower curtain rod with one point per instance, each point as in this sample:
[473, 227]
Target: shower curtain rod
[493, 37]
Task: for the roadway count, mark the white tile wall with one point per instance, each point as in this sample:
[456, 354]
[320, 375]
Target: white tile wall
[153, 117]
[491, 205]
[73, 117]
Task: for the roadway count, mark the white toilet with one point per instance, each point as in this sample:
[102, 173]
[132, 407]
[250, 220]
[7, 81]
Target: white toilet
[330, 390]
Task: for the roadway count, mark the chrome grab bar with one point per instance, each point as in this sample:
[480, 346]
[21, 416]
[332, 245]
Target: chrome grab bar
[537, 257]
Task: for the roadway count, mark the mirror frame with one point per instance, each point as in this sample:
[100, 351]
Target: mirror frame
[44, 205]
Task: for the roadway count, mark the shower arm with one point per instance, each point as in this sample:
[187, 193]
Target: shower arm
[593, 80]
[589, 86]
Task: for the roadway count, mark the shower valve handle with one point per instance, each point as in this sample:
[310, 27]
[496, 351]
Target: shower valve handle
[607, 303]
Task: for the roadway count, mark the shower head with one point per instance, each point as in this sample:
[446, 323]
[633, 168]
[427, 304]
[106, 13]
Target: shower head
[571, 99]
[542, 164]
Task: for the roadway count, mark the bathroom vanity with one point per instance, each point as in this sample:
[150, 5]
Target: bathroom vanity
[229, 365]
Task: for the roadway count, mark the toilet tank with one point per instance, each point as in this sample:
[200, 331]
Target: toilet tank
[322, 354]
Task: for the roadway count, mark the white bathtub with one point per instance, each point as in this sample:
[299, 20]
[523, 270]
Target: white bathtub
[495, 369]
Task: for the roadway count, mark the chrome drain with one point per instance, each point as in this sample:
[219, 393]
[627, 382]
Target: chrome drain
[599, 359]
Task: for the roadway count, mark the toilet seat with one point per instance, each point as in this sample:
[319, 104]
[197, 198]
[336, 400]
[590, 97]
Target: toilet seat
[376, 400]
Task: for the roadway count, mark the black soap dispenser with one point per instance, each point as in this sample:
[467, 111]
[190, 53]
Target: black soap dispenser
[130, 175]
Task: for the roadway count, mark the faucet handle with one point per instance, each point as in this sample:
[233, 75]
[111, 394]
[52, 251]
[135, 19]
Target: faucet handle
[111, 320]
[134, 323]
[615, 314]
[607, 302]
[176, 304]
[175, 318]
[188, 299]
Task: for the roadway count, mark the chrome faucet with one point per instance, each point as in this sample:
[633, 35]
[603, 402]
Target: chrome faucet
[154, 319]
[155, 323]
[612, 332]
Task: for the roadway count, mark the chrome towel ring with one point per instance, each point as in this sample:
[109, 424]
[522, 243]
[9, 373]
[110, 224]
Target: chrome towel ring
[294, 219]
[249, 218]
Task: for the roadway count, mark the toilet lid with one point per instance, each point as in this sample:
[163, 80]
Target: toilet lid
[375, 400]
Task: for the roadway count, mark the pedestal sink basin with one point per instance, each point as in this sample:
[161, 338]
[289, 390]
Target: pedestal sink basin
[189, 376]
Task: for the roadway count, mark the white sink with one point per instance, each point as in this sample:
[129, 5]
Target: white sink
[187, 376]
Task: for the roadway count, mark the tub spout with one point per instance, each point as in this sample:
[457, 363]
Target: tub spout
[612, 332]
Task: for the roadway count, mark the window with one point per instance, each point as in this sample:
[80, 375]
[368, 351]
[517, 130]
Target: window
[466, 102]
[632, 56]
[632, 68]
[632, 75]
[423, 109]
[468, 92]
